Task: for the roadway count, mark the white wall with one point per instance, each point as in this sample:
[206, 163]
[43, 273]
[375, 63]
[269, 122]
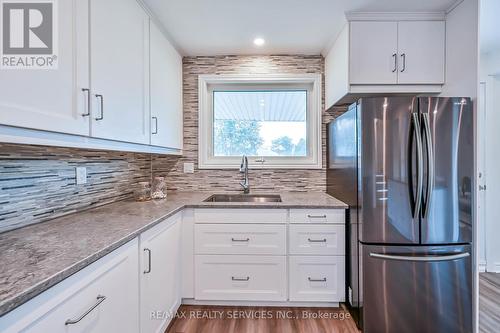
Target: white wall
[489, 246]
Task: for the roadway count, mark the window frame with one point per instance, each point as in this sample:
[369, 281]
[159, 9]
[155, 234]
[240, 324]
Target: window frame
[310, 82]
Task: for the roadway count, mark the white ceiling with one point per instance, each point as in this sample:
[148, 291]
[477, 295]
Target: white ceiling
[489, 29]
[218, 27]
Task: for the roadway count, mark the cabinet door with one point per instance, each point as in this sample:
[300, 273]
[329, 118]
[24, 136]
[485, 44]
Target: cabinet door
[52, 99]
[160, 275]
[421, 47]
[373, 52]
[120, 70]
[166, 92]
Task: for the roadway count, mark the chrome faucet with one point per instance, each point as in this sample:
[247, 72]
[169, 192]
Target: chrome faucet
[244, 169]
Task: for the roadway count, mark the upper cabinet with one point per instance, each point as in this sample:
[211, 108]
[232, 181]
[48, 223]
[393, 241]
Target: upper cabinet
[386, 56]
[166, 91]
[373, 53]
[421, 50]
[53, 99]
[119, 70]
[117, 86]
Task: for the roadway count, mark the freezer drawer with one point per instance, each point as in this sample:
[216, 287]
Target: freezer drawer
[417, 289]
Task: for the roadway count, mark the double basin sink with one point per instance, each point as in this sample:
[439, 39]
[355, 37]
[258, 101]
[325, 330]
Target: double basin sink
[244, 198]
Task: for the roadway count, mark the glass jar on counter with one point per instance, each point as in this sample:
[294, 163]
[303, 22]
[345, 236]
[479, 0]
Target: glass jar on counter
[142, 191]
[159, 190]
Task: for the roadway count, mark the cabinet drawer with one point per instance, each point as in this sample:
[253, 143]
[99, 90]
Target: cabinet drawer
[317, 239]
[239, 215]
[240, 239]
[319, 279]
[317, 216]
[241, 278]
[113, 276]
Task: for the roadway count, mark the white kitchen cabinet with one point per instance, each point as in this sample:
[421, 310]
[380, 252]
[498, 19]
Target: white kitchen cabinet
[240, 239]
[319, 279]
[240, 215]
[386, 54]
[101, 298]
[119, 57]
[166, 91]
[160, 272]
[240, 278]
[248, 255]
[317, 216]
[374, 51]
[307, 239]
[421, 49]
[53, 99]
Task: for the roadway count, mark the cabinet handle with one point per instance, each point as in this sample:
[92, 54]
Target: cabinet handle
[146, 271]
[240, 279]
[100, 299]
[316, 216]
[240, 240]
[403, 56]
[317, 240]
[395, 68]
[156, 125]
[101, 98]
[87, 90]
[316, 280]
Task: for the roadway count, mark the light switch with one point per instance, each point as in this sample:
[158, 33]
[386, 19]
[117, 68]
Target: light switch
[81, 175]
[188, 167]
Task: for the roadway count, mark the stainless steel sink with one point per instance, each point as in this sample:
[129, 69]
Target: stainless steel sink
[244, 198]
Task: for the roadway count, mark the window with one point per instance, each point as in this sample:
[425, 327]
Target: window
[275, 121]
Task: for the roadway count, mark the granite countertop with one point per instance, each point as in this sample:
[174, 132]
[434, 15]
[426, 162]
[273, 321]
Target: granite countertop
[36, 257]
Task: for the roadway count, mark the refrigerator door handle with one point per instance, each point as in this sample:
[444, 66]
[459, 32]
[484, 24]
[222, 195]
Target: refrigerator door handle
[430, 164]
[415, 134]
[433, 258]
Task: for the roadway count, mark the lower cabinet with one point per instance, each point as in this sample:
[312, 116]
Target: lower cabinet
[160, 275]
[102, 297]
[239, 258]
[240, 278]
[317, 278]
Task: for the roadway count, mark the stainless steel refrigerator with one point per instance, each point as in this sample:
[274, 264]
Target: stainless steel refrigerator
[405, 167]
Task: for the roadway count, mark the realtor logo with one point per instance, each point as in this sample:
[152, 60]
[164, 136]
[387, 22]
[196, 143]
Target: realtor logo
[29, 34]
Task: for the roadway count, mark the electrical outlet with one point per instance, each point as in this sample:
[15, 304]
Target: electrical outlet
[81, 175]
[188, 167]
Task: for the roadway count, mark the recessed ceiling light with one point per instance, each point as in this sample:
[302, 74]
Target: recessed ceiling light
[259, 41]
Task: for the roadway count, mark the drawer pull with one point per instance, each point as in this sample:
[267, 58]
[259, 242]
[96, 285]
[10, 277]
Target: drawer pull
[240, 240]
[146, 271]
[240, 279]
[316, 216]
[316, 280]
[100, 299]
[317, 240]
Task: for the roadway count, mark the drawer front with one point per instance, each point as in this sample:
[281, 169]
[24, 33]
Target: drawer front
[316, 239]
[240, 278]
[82, 292]
[319, 279]
[240, 239]
[239, 215]
[317, 216]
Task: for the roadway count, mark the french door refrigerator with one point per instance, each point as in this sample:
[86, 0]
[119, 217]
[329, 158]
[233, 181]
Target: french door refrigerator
[410, 161]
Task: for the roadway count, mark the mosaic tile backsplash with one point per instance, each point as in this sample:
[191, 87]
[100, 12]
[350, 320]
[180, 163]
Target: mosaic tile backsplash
[38, 183]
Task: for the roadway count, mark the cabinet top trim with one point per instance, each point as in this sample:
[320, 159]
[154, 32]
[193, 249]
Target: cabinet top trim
[395, 16]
